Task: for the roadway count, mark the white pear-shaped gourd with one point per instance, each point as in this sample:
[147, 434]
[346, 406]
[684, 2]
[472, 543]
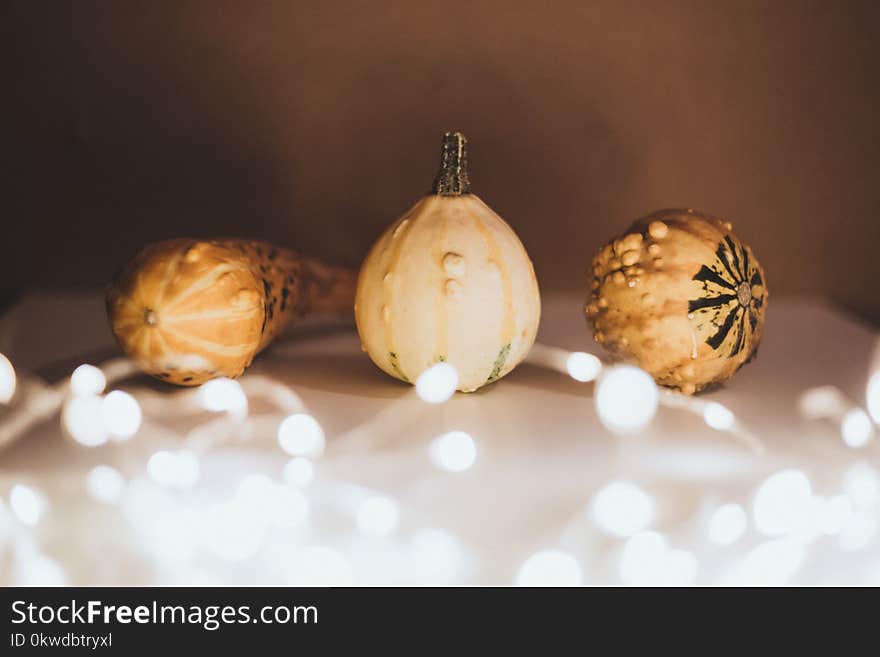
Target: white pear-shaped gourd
[448, 281]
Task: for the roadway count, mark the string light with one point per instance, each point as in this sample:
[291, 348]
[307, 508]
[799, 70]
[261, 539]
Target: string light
[7, 380]
[822, 402]
[455, 451]
[121, 414]
[87, 380]
[727, 524]
[622, 509]
[626, 398]
[856, 428]
[301, 435]
[437, 383]
[550, 568]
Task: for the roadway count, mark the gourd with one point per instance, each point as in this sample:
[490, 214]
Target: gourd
[448, 281]
[190, 310]
[681, 295]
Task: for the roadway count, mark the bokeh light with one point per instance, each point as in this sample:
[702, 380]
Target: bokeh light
[7, 380]
[550, 567]
[647, 560]
[783, 504]
[87, 380]
[174, 469]
[856, 428]
[727, 524]
[455, 451]
[121, 414]
[28, 504]
[437, 383]
[83, 419]
[298, 471]
[301, 435]
[622, 509]
[582, 366]
[626, 398]
[718, 416]
[223, 395]
[105, 484]
[377, 516]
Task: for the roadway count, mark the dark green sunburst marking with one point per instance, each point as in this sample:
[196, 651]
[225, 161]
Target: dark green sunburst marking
[740, 335]
[396, 366]
[719, 336]
[707, 275]
[736, 263]
[721, 253]
[499, 363]
[710, 302]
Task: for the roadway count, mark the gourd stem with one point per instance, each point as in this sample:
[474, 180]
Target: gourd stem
[452, 178]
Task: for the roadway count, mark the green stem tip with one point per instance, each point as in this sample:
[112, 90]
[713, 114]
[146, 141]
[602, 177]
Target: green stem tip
[452, 178]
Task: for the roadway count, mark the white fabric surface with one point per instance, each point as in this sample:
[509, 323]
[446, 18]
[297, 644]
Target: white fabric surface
[542, 457]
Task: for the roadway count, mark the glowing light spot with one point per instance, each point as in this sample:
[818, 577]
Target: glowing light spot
[234, 532]
[727, 524]
[783, 504]
[87, 380]
[550, 568]
[437, 383]
[281, 506]
[771, 563]
[833, 514]
[174, 469]
[436, 555]
[27, 504]
[173, 534]
[582, 366]
[121, 414]
[873, 396]
[860, 531]
[83, 419]
[626, 398]
[718, 416]
[7, 380]
[224, 395]
[622, 509]
[647, 560]
[856, 428]
[38, 570]
[455, 451]
[861, 484]
[377, 516]
[298, 471]
[105, 484]
[822, 402]
[318, 565]
[301, 435]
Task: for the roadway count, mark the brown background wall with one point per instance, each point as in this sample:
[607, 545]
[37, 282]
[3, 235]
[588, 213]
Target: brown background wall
[316, 124]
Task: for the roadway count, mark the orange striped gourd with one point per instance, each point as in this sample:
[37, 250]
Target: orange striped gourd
[189, 310]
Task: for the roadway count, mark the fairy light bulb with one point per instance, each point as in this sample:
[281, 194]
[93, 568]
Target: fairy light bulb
[626, 398]
[727, 524]
[7, 380]
[550, 568]
[437, 383]
[105, 484]
[784, 504]
[377, 516]
[622, 509]
[83, 419]
[27, 503]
